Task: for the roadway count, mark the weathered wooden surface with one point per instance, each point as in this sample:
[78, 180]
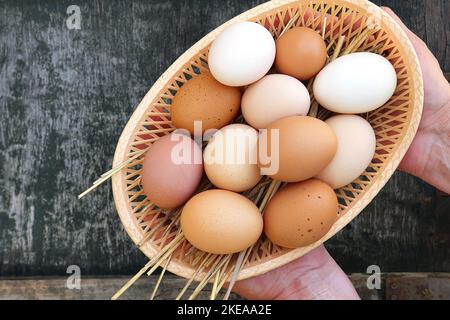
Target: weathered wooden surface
[100, 288]
[65, 96]
[393, 286]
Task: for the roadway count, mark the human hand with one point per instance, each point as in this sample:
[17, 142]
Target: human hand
[429, 155]
[315, 276]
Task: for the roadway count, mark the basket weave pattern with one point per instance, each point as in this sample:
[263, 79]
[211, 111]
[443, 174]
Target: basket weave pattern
[395, 125]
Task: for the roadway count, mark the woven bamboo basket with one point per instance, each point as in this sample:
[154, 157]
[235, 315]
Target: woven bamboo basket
[395, 125]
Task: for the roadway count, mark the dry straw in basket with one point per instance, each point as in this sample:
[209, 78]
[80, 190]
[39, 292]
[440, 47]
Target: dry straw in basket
[346, 26]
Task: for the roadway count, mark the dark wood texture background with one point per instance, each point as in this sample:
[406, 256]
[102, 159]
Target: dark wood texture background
[65, 96]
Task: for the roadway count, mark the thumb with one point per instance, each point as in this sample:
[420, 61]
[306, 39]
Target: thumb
[315, 276]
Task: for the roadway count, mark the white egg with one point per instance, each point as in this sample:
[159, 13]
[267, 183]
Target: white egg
[355, 83]
[230, 158]
[356, 148]
[274, 97]
[242, 54]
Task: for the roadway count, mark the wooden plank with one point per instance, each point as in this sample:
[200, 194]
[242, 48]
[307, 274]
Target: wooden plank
[102, 288]
[393, 286]
[437, 28]
[413, 287]
[65, 96]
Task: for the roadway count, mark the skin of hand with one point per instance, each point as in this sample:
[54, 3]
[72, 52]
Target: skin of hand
[316, 275]
[429, 155]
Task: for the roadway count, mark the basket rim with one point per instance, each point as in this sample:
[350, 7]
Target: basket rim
[118, 184]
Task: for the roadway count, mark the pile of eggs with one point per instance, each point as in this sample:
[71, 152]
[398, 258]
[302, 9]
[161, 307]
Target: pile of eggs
[263, 79]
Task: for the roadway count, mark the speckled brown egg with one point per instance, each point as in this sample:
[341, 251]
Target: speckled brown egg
[301, 53]
[205, 99]
[296, 148]
[301, 214]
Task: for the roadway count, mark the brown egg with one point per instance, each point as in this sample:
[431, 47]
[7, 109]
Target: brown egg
[205, 99]
[305, 146]
[221, 222]
[300, 214]
[301, 53]
[168, 179]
